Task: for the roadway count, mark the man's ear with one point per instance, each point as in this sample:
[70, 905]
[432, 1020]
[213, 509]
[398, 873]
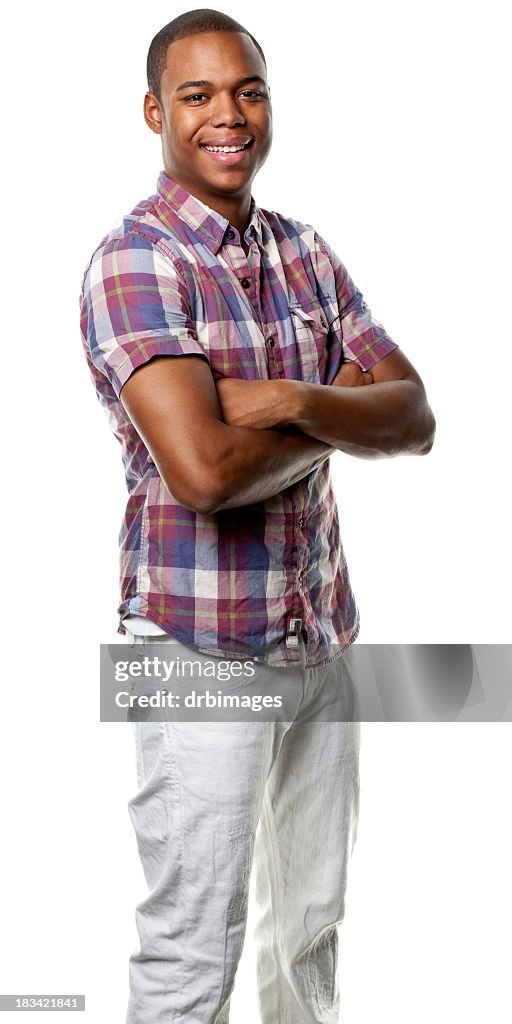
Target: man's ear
[153, 113]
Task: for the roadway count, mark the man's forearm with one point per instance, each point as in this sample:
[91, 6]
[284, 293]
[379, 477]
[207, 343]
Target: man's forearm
[383, 419]
[389, 418]
[257, 464]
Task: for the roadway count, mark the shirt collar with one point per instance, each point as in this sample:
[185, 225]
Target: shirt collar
[205, 222]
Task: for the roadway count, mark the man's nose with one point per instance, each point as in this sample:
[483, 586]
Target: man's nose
[226, 111]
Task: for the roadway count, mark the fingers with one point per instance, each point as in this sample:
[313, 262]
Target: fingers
[352, 376]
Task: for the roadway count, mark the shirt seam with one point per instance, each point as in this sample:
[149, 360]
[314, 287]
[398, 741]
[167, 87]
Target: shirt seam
[159, 243]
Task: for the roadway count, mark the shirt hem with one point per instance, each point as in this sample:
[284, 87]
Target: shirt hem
[255, 653]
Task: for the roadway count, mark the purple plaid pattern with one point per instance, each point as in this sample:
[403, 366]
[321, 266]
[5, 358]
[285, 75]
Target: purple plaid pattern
[173, 279]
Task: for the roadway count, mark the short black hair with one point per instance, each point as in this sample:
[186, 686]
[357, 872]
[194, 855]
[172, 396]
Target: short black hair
[190, 23]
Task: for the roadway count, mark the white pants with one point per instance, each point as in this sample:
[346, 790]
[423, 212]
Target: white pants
[216, 797]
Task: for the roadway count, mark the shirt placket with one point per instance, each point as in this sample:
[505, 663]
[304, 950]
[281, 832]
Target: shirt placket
[269, 326]
[248, 270]
[301, 613]
[250, 273]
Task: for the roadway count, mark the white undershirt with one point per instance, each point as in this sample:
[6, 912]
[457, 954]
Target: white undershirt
[140, 626]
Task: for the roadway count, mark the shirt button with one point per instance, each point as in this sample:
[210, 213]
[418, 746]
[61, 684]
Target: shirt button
[300, 523]
[271, 342]
[230, 234]
[245, 282]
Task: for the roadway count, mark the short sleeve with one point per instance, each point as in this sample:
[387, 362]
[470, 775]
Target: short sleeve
[134, 306]
[364, 339]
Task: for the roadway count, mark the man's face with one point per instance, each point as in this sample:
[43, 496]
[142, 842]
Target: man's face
[213, 94]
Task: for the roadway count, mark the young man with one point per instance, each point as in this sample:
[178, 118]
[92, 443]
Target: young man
[230, 544]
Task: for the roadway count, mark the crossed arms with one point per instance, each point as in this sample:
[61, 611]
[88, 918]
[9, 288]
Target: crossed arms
[237, 442]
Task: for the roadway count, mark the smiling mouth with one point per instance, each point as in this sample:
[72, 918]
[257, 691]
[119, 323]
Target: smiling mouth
[227, 149]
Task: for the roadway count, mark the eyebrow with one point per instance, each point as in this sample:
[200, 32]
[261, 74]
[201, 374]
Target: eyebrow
[210, 85]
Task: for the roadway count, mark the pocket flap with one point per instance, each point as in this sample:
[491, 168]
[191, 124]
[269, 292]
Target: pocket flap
[311, 312]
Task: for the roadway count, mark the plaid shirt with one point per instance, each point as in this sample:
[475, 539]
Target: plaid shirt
[173, 279]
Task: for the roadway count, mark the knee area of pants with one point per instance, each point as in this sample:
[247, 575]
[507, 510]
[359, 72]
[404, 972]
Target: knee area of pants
[313, 973]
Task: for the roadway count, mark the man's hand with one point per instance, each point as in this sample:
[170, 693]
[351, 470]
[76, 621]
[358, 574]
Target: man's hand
[352, 376]
[254, 403]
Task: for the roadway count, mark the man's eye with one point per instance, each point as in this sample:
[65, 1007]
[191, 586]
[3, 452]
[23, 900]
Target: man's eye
[251, 92]
[197, 96]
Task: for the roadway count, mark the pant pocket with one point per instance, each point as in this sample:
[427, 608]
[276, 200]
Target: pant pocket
[150, 808]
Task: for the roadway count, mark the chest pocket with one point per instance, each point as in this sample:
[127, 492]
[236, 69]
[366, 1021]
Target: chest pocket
[312, 324]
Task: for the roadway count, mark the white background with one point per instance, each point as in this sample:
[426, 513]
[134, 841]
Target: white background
[391, 127]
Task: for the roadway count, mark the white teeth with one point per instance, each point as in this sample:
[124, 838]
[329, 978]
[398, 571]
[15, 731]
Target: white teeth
[225, 149]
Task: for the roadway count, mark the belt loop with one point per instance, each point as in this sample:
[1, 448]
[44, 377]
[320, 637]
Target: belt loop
[293, 632]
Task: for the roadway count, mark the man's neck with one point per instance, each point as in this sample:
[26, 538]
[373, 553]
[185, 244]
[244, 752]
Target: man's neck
[235, 208]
